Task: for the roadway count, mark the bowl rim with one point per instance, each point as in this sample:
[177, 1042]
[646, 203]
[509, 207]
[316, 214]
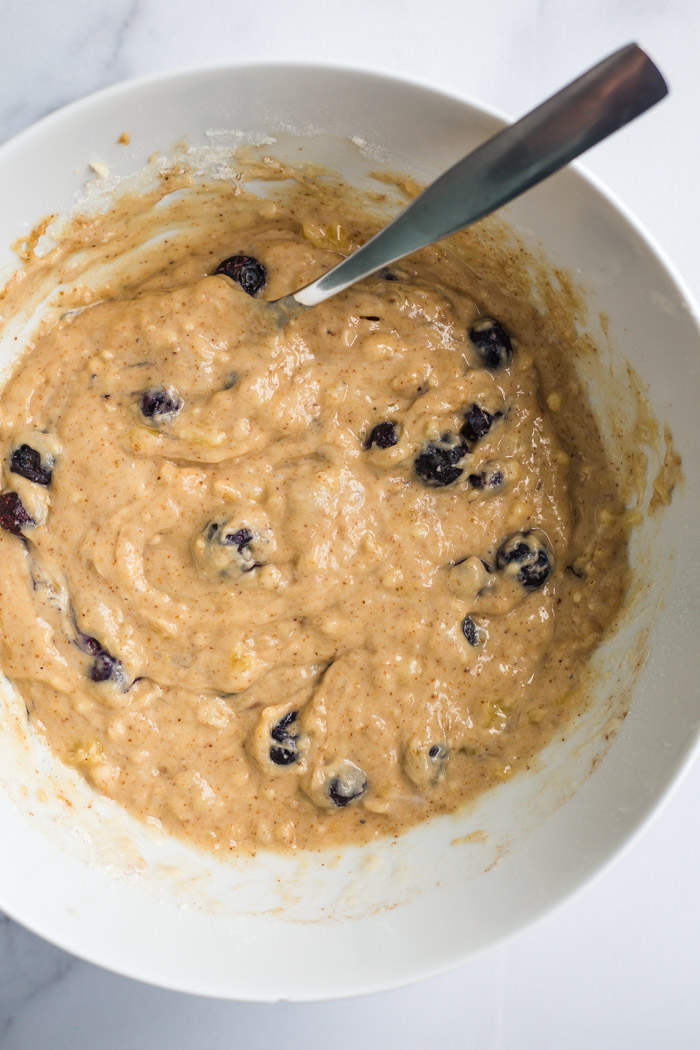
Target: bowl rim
[185, 72]
[182, 74]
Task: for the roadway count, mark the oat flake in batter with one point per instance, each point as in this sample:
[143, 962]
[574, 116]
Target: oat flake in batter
[300, 587]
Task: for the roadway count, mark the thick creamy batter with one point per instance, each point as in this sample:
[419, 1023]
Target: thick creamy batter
[299, 587]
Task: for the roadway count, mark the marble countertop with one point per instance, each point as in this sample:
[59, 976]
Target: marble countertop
[619, 965]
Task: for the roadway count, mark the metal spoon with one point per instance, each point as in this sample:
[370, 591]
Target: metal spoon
[604, 99]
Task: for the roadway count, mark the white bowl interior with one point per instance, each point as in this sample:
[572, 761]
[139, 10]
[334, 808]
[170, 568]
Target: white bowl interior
[88, 877]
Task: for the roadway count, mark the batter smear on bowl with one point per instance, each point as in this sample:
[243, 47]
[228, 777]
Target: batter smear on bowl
[303, 587]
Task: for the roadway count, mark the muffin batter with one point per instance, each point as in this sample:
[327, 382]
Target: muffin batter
[309, 586]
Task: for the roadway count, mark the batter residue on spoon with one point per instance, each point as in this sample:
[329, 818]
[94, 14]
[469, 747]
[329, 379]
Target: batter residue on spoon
[299, 587]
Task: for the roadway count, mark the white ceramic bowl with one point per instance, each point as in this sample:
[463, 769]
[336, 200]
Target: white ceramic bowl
[80, 872]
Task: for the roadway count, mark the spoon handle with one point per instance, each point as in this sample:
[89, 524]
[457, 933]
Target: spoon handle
[604, 99]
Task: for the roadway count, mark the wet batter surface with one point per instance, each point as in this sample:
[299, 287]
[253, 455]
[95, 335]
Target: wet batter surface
[303, 587]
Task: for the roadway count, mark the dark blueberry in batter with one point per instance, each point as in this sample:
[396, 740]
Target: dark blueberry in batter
[526, 557]
[471, 631]
[435, 465]
[26, 462]
[245, 547]
[284, 756]
[384, 435]
[285, 750]
[492, 343]
[240, 539]
[88, 644]
[438, 755]
[388, 275]
[104, 667]
[160, 404]
[348, 786]
[244, 270]
[486, 479]
[280, 732]
[477, 422]
[13, 517]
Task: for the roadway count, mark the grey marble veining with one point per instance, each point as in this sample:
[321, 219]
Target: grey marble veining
[58, 59]
[29, 967]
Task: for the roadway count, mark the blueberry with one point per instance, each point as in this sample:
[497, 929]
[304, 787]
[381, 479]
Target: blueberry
[279, 732]
[490, 478]
[526, 557]
[348, 785]
[242, 541]
[470, 631]
[477, 422]
[104, 667]
[161, 404]
[244, 270]
[13, 517]
[424, 764]
[435, 465]
[384, 435]
[239, 538]
[284, 752]
[283, 756]
[388, 275]
[88, 644]
[225, 547]
[437, 759]
[26, 462]
[492, 343]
